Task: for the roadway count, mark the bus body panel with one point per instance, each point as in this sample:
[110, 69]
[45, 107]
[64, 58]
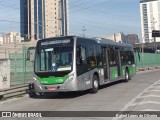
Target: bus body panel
[113, 74]
[69, 85]
[84, 81]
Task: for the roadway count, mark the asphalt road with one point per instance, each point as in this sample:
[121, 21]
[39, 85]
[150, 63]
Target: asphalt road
[140, 93]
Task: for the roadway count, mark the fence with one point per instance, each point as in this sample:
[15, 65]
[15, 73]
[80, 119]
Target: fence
[21, 70]
[147, 59]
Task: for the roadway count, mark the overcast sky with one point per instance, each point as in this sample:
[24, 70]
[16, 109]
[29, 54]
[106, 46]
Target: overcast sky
[99, 17]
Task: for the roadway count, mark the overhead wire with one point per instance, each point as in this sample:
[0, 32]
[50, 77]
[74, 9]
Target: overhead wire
[80, 9]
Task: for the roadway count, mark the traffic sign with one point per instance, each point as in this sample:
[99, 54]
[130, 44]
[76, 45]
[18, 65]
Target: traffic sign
[155, 33]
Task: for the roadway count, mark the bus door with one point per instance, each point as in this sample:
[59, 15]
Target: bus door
[105, 63]
[118, 61]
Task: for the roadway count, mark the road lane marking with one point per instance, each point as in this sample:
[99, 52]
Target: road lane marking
[153, 91]
[135, 98]
[149, 110]
[150, 96]
[145, 102]
[138, 96]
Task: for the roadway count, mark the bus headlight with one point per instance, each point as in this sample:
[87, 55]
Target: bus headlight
[35, 80]
[70, 78]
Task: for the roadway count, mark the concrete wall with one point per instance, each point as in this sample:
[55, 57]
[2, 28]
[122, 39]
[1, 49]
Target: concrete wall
[5, 49]
[4, 73]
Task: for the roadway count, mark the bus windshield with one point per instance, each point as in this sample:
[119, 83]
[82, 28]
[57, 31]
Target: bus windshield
[54, 58]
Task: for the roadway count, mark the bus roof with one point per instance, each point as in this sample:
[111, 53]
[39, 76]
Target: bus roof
[98, 40]
[107, 41]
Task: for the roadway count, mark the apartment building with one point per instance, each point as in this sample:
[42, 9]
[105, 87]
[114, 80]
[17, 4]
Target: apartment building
[43, 18]
[150, 19]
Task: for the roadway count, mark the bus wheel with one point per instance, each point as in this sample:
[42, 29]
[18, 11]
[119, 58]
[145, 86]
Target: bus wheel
[126, 76]
[95, 85]
[32, 94]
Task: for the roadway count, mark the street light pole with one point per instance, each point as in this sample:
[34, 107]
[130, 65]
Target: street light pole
[83, 30]
[155, 45]
[64, 22]
[143, 54]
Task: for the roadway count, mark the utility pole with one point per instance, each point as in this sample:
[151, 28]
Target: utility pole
[83, 31]
[114, 37]
[15, 43]
[37, 34]
[143, 53]
[155, 45]
[64, 14]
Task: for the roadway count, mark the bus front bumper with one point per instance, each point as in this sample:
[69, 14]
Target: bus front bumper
[38, 88]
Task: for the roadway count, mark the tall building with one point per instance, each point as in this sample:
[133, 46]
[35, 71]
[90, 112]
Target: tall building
[43, 18]
[150, 19]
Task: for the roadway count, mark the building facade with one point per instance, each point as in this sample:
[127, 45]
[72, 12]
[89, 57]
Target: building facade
[122, 38]
[117, 37]
[1, 40]
[12, 37]
[43, 18]
[132, 39]
[150, 19]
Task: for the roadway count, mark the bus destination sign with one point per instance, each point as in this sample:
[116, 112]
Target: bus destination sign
[55, 42]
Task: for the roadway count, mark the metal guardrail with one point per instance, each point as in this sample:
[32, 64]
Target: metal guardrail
[13, 91]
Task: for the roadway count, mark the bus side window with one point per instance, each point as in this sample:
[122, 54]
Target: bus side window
[130, 57]
[81, 55]
[111, 56]
[78, 55]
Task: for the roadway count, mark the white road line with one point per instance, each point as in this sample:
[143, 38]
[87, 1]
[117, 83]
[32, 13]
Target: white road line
[149, 110]
[149, 102]
[134, 99]
[158, 87]
[153, 91]
[145, 102]
[150, 96]
[138, 96]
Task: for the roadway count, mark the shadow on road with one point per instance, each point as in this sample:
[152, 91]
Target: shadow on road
[70, 95]
[111, 84]
[61, 95]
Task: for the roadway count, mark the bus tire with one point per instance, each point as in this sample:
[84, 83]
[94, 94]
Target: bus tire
[126, 76]
[32, 94]
[95, 84]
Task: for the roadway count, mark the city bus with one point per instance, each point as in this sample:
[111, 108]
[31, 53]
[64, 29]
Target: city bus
[72, 63]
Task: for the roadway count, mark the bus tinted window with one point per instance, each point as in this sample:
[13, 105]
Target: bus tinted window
[111, 56]
[127, 57]
[90, 51]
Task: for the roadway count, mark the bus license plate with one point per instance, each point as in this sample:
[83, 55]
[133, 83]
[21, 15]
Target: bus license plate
[52, 88]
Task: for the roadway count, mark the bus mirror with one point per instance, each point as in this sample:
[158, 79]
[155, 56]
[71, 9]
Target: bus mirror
[30, 54]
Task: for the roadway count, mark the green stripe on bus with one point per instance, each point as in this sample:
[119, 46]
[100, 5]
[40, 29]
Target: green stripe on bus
[123, 72]
[53, 80]
[114, 74]
[132, 70]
